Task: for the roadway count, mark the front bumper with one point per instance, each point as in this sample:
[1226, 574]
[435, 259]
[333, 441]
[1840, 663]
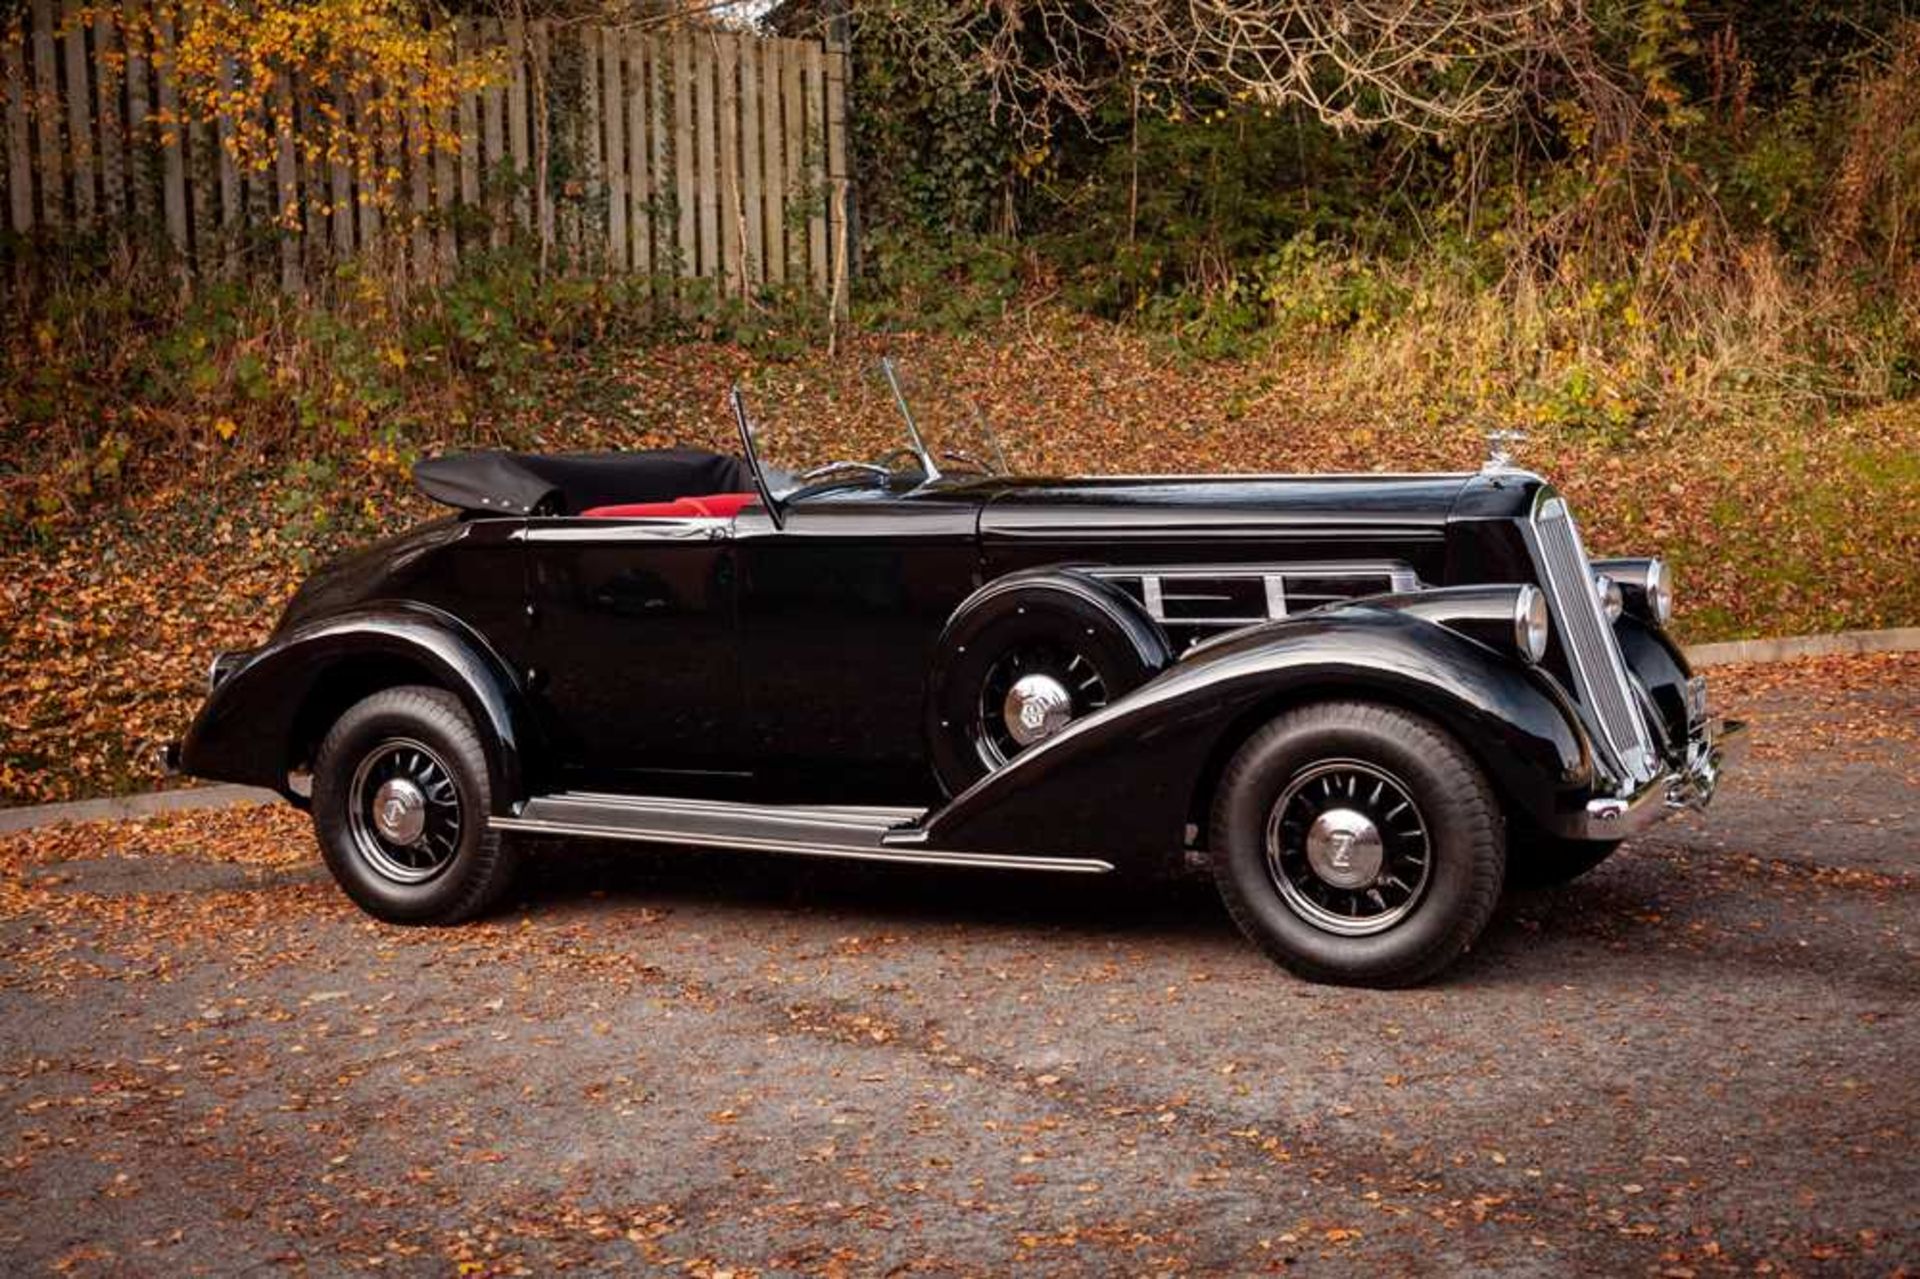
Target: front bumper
[1713, 745]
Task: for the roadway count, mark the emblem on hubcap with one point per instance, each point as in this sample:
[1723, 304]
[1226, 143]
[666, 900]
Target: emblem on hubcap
[400, 811]
[1038, 706]
[1344, 848]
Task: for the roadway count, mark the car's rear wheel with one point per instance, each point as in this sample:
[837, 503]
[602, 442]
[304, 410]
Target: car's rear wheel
[1357, 843]
[400, 803]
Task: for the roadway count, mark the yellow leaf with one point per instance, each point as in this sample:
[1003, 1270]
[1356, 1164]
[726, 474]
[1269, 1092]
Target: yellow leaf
[225, 427]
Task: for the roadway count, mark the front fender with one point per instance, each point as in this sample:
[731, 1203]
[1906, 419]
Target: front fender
[1126, 781]
[248, 730]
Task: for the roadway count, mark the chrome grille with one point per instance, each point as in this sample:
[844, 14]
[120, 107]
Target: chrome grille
[1599, 673]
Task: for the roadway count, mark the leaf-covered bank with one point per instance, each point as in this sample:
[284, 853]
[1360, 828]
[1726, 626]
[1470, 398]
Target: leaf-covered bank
[110, 611]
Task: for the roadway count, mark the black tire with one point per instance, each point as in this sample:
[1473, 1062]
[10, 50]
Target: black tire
[1346, 748]
[459, 867]
[1536, 859]
[1080, 630]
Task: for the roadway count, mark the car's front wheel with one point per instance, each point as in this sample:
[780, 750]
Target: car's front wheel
[1357, 843]
[400, 804]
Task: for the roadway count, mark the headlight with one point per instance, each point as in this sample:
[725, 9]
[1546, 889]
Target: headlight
[1530, 624]
[1612, 598]
[1659, 590]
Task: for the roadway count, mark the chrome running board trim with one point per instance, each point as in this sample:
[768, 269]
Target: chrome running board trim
[851, 832]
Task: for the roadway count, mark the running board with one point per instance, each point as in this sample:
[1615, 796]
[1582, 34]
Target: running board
[809, 830]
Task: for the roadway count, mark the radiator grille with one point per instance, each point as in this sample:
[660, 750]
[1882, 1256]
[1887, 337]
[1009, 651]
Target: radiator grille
[1599, 674]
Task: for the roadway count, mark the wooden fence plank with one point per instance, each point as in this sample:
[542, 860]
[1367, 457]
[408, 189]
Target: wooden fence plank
[465, 45]
[660, 163]
[419, 163]
[517, 137]
[444, 249]
[173, 169]
[751, 211]
[709, 192]
[493, 134]
[619, 249]
[733, 232]
[685, 187]
[230, 206]
[545, 196]
[817, 193]
[340, 189]
[793, 133]
[46, 114]
[774, 198]
[839, 180]
[593, 217]
[13, 65]
[139, 131]
[203, 210]
[79, 111]
[639, 157]
[286, 174]
[106, 110]
[373, 184]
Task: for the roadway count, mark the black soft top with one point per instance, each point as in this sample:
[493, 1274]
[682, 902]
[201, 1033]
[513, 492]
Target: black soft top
[498, 482]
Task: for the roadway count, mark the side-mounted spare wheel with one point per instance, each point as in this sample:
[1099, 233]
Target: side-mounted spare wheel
[400, 802]
[1357, 843]
[1026, 655]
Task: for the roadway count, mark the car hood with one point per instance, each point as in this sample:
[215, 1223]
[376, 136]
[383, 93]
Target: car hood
[1220, 505]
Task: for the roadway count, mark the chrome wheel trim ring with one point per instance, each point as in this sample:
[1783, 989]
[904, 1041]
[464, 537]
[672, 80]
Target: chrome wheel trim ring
[400, 769]
[1345, 811]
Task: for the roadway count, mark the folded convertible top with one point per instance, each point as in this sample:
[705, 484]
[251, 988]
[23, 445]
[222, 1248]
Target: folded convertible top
[496, 482]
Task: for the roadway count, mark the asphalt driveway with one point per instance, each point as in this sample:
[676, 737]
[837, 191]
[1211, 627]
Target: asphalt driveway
[1699, 1058]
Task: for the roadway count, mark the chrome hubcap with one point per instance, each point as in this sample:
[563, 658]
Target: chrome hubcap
[1344, 848]
[1030, 694]
[1348, 848]
[1038, 706]
[400, 811]
[404, 811]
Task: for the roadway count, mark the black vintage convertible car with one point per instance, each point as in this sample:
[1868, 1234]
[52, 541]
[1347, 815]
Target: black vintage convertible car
[1362, 702]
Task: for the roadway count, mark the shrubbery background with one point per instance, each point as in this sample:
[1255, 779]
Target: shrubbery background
[1682, 254]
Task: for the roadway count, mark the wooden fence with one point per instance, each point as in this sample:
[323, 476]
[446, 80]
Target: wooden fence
[676, 153]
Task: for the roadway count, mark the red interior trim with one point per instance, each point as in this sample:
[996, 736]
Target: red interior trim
[717, 506]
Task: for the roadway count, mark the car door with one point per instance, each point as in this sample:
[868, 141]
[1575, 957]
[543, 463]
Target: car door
[635, 652]
[840, 606]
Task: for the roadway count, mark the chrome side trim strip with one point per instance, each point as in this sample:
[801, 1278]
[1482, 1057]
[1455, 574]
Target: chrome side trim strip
[857, 814]
[898, 855]
[620, 529]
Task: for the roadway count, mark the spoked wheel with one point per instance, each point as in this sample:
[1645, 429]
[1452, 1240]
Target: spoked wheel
[1357, 843]
[1348, 849]
[404, 811]
[1025, 657]
[400, 802]
[1032, 692]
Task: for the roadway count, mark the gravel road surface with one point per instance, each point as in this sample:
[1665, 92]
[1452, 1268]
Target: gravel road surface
[1700, 1058]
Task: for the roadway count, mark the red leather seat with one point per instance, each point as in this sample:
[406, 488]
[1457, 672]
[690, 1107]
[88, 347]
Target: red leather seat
[716, 506]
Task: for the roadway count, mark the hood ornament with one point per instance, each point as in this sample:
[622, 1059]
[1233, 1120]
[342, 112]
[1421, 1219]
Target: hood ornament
[1499, 455]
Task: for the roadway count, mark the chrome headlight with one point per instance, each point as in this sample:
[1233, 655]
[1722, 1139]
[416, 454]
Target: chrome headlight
[1612, 599]
[1659, 588]
[1531, 626]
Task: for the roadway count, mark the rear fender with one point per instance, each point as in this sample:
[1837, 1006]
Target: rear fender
[251, 728]
[1125, 782]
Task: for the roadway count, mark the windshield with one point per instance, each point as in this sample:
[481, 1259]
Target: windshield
[879, 428]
